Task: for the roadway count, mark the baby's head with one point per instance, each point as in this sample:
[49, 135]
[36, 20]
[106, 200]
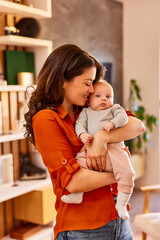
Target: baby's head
[102, 97]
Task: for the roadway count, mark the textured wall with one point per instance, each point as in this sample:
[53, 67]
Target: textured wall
[94, 25]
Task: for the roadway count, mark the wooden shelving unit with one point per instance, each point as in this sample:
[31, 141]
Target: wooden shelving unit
[25, 42]
[11, 137]
[21, 187]
[14, 88]
[42, 48]
[40, 9]
[46, 233]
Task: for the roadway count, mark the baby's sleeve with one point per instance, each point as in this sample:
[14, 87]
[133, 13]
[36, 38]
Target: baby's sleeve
[120, 117]
[81, 123]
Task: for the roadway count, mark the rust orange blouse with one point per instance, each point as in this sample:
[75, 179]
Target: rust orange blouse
[58, 144]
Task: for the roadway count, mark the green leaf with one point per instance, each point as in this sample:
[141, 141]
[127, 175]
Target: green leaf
[154, 119]
[150, 121]
[139, 143]
[133, 81]
[137, 90]
[140, 113]
[145, 137]
[131, 145]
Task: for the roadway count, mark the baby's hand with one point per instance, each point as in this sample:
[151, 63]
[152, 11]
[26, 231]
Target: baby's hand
[108, 126]
[86, 138]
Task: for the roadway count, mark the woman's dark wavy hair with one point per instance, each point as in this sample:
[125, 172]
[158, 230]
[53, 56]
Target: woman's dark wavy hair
[65, 62]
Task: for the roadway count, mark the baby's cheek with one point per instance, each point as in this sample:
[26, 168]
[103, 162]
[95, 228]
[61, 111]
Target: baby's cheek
[110, 103]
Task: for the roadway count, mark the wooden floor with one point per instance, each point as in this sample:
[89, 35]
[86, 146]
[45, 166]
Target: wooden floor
[137, 208]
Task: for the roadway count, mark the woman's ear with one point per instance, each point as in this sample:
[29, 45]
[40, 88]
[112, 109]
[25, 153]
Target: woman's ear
[64, 83]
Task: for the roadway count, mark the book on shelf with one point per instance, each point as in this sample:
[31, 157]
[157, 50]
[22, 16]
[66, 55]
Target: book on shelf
[0, 118]
[17, 61]
[13, 109]
[5, 112]
[6, 170]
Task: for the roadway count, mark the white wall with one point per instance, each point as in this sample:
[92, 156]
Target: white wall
[141, 24]
[95, 26]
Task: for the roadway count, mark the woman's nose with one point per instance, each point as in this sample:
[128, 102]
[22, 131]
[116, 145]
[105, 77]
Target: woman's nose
[91, 89]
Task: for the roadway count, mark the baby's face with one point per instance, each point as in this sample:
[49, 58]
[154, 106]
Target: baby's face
[102, 98]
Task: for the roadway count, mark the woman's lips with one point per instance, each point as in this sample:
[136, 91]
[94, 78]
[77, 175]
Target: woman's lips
[86, 97]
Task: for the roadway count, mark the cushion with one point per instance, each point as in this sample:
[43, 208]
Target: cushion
[149, 223]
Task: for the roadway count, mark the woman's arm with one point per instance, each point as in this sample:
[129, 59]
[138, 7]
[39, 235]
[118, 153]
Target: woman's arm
[132, 129]
[84, 180]
[87, 180]
[96, 152]
[58, 156]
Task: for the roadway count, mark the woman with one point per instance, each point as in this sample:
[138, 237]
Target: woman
[64, 84]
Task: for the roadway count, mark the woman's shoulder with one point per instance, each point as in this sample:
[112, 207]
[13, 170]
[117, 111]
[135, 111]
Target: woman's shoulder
[45, 113]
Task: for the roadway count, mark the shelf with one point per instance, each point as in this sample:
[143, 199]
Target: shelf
[8, 192]
[46, 233]
[14, 88]
[25, 41]
[36, 9]
[11, 137]
[16, 9]
[41, 48]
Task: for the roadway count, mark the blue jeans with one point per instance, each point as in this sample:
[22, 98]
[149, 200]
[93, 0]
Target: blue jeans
[118, 229]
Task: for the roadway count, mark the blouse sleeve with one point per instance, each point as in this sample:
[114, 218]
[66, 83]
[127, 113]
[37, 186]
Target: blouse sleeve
[129, 113]
[54, 148]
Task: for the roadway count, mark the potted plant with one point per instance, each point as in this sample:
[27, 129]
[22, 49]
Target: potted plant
[135, 145]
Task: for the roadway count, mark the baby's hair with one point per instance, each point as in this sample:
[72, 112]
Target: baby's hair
[102, 81]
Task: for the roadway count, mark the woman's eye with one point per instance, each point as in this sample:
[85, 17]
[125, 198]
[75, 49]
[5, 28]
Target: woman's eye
[88, 85]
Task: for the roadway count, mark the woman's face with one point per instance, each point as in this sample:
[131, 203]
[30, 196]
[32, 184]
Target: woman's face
[77, 91]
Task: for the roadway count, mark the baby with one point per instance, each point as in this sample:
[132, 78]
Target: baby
[103, 114]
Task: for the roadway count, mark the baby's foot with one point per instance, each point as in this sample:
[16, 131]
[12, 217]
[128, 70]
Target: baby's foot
[72, 198]
[121, 204]
[122, 211]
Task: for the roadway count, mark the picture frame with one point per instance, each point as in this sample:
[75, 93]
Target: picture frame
[6, 170]
[108, 73]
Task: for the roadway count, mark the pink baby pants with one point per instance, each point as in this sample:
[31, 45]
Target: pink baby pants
[117, 161]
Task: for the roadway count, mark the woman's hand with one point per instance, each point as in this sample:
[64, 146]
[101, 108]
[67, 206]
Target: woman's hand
[96, 152]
